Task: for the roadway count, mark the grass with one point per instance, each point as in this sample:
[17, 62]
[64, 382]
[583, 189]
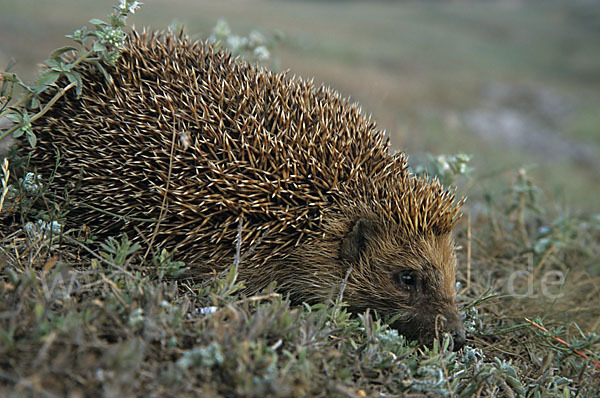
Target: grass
[91, 318]
[107, 323]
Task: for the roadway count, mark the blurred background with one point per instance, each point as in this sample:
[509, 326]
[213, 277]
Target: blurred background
[516, 84]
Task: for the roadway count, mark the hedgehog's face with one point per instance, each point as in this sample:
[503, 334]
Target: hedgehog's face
[413, 281]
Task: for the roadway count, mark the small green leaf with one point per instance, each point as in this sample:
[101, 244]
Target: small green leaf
[515, 383]
[99, 47]
[18, 133]
[10, 65]
[53, 63]
[231, 275]
[46, 79]
[111, 57]
[61, 50]
[23, 85]
[76, 77]
[39, 310]
[35, 103]
[97, 22]
[116, 22]
[31, 138]
[14, 117]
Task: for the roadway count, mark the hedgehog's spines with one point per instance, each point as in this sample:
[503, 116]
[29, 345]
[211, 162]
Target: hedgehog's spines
[269, 146]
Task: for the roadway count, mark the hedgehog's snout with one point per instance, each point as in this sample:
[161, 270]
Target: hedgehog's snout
[425, 328]
[456, 329]
[458, 339]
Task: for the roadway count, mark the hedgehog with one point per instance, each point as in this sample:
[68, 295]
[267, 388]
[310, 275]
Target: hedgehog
[193, 150]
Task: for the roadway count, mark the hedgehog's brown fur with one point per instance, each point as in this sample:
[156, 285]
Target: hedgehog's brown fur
[191, 136]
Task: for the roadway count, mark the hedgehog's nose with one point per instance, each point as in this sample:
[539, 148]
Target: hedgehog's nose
[458, 339]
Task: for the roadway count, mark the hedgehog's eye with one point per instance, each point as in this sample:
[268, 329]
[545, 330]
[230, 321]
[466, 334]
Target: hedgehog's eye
[406, 279]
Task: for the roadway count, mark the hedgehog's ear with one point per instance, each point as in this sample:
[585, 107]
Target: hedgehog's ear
[355, 242]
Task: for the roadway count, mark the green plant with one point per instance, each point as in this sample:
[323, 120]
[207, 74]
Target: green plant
[525, 198]
[167, 267]
[447, 168]
[95, 47]
[255, 48]
[119, 252]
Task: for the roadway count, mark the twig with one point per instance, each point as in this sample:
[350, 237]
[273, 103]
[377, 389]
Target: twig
[6, 174]
[468, 250]
[238, 256]
[341, 293]
[43, 352]
[163, 206]
[543, 260]
[561, 341]
[257, 298]
[115, 290]
[47, 107]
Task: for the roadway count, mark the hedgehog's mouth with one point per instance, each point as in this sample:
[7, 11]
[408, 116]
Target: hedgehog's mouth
[426, 330]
